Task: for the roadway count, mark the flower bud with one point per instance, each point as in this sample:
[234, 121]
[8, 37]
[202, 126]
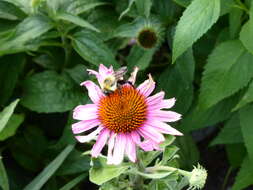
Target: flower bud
[197, 177]
[149, 34]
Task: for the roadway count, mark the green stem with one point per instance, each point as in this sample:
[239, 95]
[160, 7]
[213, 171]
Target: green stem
[67, 51]
[167, 168]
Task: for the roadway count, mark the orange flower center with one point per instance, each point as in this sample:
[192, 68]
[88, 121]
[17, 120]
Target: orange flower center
[123, 110]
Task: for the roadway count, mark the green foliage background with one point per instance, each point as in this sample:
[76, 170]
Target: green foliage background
[203, 57]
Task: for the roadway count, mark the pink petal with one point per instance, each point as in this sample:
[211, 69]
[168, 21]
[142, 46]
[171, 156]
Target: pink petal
[167, 116]
[111, 143]
[92, 72]
[94, 91]
[163, 127]
[132, 78]
[135, 137]
[130, 148]
[89, 137]
[85, 112]
[104, 71]
[119, 149]
[149, 145]
[83, 126]
[155, 99]
[164, 104]
[149, 132]
[100, 143]
[147, 87]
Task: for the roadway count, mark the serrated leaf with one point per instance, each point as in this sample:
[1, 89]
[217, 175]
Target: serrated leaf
[230, 133]
[198, 17]
[247, 97]
[43, 177]
[20, 38]
[92, 49]
[4, 182]
[244, 177]
[74, 182]
[49, 92]
[11, 67]
[11, 127]
[76, 20]
[101, 172]
[229, 68]
[6, 114]
[139, 57]
[246, 121]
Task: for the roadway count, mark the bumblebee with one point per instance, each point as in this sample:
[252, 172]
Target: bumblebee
[114, 81]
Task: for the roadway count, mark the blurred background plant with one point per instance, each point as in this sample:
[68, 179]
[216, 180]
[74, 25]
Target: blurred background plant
[199, 51]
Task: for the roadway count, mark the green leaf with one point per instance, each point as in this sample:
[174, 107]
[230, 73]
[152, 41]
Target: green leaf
[143, 7]
[11, 67]
[247, 30]
[130, 3]
[236, 154]
[101, 172]
[244, 177]
[245, 37]
[78, 73]
[189, 153]
[228, 70]
[183, 3]
[10, 11]
[247, 97]
[42, 178]
[230, 133]
[74, 182]
[6, 114]
[139, 57]
[181, 74]
[11, 127]
[24, 5]
[49, 92]
[28, 30]
[199, 117]
[235, 22]
[76, 162]
[198, 17]
[92, 49]
[78, 7]
[4, 182]
[76, 20]
[168, 153]
[28, 148]
[246, 121]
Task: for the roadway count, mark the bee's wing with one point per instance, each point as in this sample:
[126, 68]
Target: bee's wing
[120, 73]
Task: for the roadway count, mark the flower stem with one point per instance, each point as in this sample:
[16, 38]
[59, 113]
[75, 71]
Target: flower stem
[167, 168]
